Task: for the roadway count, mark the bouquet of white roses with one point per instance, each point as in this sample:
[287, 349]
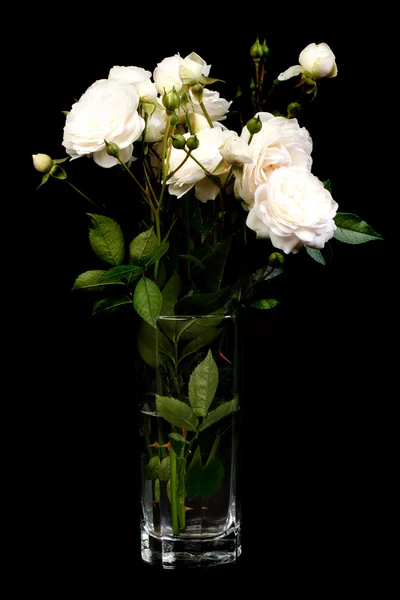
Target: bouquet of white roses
[209, 177]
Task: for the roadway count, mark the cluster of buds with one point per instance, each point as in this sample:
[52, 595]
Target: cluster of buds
[179, 142]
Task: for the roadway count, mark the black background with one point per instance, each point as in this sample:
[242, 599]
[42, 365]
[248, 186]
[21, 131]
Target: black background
[314, 375]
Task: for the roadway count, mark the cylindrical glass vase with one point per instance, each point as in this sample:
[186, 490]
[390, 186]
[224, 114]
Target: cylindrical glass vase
[189, 434]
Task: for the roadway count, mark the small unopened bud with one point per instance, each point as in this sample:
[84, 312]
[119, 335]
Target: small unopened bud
[275, 260]
[252, 85]
[293, 109]
[197, 91]
[171, 100]
[193, 142]
[42, 163]
[265, 49]
[178, 142]
[112, 149]
[256, 50]
[174, 119]
[148, 108]
[254, 125]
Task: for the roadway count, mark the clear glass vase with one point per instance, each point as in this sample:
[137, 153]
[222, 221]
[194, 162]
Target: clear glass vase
[189, 434]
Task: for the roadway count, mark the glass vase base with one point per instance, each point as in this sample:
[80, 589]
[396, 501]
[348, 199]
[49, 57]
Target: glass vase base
[169, 553]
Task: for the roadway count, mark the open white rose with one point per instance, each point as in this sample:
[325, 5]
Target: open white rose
[156, 126]
[192, 68]
[106, 111]
[316, 60]
[235, 150]
[191, 174]
[216, 106]
[280, 142]
[293, 209]
[138, 77]
[166, 74]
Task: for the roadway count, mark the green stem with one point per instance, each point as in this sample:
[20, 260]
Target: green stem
[134, 179]
[178, 167]
[174, 498]
[164, 185]
[207, 116]
[83, 195]
[169, 230]
[181, 506]
[209, 175]
[158, 233]
[189, 124]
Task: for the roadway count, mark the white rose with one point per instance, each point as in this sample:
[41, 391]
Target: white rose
[191, 174]
[293, 209]
[166, 74]
[192, 68]
[138, 77]
[280, 142]
[216, 107]
[106, 111]
[316, 60]
[234, 149]
[156, 126]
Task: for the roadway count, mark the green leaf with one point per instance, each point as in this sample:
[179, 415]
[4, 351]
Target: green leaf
[203, 384]
[89, 280]
[115, 275]
[58, 172]
[106, 239]
[328, 185]
[165, 469]
[353, 230]
[191, 328]
[204, 339]
[215, 267]
[178, 443]
[171, 292]
[201, 303]
[153, 346]
[205, 482]
[176, 412]
[196, 458]
[110, 305]
[265, 304]
[44, 179]
[157, 490]
[219, 413]
[265, 274]
[147, 301]
[316, 255]
[153, 468]
[143, 244]
[156, 254]
[209, 80]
